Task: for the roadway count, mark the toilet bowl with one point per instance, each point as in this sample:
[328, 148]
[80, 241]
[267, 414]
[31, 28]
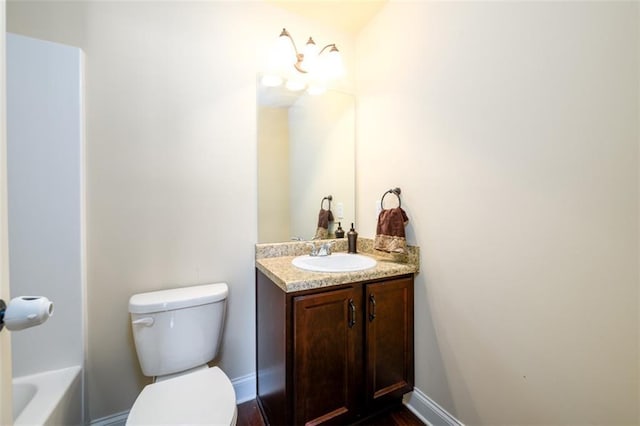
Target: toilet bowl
[176, 332]
[203, 397]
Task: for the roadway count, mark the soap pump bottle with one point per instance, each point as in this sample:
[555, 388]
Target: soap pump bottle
[339, 231]
[352, 236]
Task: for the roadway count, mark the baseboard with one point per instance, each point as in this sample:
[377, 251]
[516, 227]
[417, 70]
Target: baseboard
[244, 386]
[428, 410]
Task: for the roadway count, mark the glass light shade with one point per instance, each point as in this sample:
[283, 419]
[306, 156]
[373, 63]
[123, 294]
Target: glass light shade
[284, 54]
[334, 67]
[271, 80]
[295, 84]
[315, 89]
[310, 52]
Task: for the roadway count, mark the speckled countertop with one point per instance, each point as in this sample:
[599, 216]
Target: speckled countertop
[274, 260]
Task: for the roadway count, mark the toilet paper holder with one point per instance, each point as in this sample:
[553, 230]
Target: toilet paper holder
[24, 312]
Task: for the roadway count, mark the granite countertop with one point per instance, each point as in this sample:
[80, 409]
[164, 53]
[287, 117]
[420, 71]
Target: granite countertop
[274, 260]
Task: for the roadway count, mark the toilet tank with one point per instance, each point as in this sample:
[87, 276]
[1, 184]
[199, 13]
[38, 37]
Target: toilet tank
[177, 329]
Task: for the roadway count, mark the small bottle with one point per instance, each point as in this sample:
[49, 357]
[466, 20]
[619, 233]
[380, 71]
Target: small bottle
[339, 231]
[352, 235]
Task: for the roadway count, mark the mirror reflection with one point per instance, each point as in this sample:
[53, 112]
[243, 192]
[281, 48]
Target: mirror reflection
[305, 154]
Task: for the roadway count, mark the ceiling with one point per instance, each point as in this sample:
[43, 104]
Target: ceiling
[349, 16]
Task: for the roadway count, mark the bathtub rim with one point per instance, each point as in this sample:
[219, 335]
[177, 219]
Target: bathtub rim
[52, 387]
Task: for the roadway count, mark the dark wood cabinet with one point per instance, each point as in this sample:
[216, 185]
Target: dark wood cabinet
[333, 355]
[389, 339]
[327, 347]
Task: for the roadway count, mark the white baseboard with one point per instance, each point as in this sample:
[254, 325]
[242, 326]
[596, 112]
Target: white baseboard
[428, 410]
[244, 386]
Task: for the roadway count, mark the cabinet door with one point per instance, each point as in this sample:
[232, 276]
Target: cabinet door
[327, 355]
[389, 339]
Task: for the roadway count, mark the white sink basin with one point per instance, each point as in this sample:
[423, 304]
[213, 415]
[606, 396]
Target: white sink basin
[336, 262]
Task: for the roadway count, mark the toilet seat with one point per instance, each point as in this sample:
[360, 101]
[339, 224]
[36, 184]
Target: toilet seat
[201, 397]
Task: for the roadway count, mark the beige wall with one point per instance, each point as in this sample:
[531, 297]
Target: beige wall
[273, 175]
[171, 161]
[512, 129]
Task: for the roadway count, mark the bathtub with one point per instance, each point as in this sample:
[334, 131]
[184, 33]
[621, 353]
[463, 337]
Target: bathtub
[49, 398]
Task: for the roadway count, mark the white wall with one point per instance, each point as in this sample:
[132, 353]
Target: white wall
[171, 161]
[45, 176]
[5, 339]
[512, 129]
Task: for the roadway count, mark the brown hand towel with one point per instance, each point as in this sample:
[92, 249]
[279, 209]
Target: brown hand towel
[390, 235]
[324, 217]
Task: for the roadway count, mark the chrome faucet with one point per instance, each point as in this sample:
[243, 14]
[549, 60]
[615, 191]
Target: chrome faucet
[324, 250]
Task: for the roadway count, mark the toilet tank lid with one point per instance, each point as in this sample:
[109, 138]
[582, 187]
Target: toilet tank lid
[177, 298]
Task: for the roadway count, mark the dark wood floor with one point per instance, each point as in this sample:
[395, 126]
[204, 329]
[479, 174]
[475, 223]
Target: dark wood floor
[249, 415]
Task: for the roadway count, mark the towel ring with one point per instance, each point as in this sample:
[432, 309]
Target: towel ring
[396, 192]
[328, 198]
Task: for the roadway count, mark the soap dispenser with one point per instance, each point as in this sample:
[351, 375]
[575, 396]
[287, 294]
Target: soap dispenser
[352, 236]
[339, 231]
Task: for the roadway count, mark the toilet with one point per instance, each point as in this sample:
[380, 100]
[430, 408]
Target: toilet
[176, 333]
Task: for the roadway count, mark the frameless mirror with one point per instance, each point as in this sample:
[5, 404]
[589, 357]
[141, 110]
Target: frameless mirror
[305, 153]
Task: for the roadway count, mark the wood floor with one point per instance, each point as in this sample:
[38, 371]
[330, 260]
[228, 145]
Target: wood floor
[249, 415]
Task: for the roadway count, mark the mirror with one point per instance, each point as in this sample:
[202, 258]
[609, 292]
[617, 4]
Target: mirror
[305, 153]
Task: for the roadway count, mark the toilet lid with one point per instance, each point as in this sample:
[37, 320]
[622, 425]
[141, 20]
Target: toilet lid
[202, 397]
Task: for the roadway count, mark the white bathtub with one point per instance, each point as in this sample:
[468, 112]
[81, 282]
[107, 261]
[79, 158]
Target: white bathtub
[49, 398]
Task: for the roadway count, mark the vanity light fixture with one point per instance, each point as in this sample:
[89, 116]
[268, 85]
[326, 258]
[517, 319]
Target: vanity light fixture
[311, 69]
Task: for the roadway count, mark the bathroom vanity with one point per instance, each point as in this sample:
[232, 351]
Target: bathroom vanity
[332, 347]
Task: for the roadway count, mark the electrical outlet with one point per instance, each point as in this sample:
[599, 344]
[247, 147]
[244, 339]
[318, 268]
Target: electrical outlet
[340, 210]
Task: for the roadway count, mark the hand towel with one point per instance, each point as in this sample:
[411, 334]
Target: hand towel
[324, 217]
[390, 235]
